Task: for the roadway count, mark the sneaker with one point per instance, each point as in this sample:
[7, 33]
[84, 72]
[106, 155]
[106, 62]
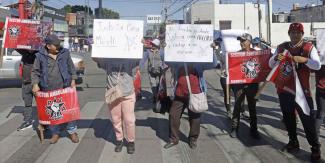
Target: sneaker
[193, 144]
[25, 125]
[292, 146]
[119, 146]
[55, 138]
[74, 138]
[315, 155]
[169, 145]
[130, 148]
[233, 133]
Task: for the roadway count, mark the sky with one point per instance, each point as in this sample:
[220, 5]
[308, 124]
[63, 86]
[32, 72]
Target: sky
[138, 9]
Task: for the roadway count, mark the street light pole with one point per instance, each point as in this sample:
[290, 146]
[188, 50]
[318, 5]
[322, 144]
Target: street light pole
[259, 19]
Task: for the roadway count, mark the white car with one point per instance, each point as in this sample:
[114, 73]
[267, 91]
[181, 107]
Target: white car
[12, 62]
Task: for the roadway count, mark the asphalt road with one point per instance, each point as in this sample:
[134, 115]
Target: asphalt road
[97, 135]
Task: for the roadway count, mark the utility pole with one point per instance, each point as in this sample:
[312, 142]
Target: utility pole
[259, 19]
[86, 18]
[100, 9]
[269, 21]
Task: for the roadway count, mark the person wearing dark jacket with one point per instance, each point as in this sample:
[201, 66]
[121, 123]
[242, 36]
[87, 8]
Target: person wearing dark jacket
[27, 60]
[53, 69]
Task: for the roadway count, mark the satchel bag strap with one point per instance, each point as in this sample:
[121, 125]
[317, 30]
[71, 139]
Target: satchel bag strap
[187, 79]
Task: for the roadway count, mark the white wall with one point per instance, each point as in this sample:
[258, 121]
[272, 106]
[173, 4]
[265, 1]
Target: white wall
[243, 16]
[202, 11]
[279, 31]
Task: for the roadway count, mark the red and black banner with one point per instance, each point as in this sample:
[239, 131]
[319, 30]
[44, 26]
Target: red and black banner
[58, 106]
[248, 67]
[25, 33]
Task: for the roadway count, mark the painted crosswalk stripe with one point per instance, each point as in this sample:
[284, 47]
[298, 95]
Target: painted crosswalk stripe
[63, 149]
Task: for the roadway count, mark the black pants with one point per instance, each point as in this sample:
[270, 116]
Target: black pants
[175, 114]
[223, 82]
[320, 114]
[288, 107]
[240, 91]
[27, 96]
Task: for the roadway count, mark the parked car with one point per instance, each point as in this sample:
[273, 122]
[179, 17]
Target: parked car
[12, 62]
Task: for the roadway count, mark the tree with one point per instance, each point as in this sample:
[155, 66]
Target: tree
[67, 9]
[107, 14]
[76, 8]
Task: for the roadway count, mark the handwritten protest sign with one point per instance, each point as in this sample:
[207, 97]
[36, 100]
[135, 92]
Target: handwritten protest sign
[25, 34]
[189, 43]
[320, 38]
[117, 39]
[58, 106]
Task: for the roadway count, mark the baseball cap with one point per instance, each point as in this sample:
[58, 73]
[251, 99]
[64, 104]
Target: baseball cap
[52, 39]
[245, 36]
[297, 27]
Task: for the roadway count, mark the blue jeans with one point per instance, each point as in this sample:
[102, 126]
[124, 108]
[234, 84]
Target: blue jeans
[71, 128]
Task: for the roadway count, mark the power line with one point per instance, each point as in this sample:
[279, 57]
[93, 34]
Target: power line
[179, 9]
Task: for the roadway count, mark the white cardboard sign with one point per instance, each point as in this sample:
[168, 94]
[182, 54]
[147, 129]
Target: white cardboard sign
[320, 39]
[189, 43]
[117, 39]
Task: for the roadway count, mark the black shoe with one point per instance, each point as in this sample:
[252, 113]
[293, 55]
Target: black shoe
[233, 133]
[25, 125]
[192, 144]
[254, 134]
[292, 146]
[119, 146]
[169, 145]
[130, 147]
[315, 155]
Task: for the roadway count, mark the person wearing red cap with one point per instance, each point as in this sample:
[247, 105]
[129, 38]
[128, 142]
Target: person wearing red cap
[305, 58]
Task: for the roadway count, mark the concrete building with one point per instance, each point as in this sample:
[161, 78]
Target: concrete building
[78, 24]
[229, 16]
[310, 13]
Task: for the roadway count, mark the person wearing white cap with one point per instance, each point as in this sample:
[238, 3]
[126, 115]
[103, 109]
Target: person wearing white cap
[155, 66]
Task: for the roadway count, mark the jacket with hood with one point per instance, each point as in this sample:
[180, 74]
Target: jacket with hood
[40, 72]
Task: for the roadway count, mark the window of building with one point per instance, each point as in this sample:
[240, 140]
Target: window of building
[225, 24]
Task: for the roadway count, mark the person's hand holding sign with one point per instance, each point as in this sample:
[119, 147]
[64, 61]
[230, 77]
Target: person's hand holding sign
[73, 84]
[35, 88]
[299, 59]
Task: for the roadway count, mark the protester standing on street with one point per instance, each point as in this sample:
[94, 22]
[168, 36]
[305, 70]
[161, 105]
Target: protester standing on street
[223, 76]
[155, 66]
[181, 99]
[320, 94]
[242, 90]
[119, 71]
[53, 69]
[305, 57]
[27, 60]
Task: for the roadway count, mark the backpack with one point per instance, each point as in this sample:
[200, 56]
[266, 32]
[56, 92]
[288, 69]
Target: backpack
[155, 64]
